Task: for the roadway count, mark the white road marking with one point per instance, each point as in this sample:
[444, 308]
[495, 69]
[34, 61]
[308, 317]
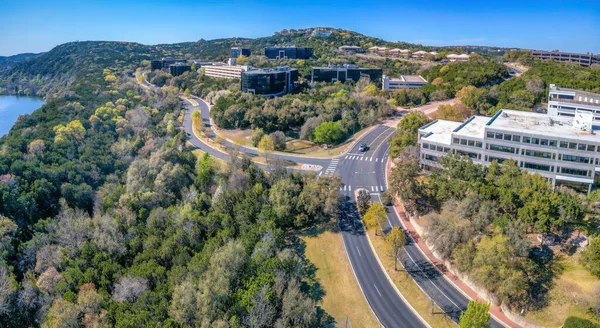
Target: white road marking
[377, 290]
[370, 159]
[372, 188]
[361, 158]
[358, 250]
[320, 173]
[381, 187]
[344, 188]
[346, 157]
[376, 159]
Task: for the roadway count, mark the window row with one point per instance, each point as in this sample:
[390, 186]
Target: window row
[541, 142]
[465, 142]
[436, 148]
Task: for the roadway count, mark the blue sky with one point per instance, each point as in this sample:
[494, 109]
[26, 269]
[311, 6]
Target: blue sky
[34, 25]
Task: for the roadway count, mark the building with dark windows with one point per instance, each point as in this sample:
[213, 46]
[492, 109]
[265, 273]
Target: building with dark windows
[179, 68]
[238, 51]
[581, 59]
[344, 73]
[269, 81]
[289, 52]
[156, 64]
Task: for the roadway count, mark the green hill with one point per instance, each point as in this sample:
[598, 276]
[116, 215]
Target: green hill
[53, 71]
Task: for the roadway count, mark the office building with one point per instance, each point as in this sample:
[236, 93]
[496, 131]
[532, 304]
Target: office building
[378, 50]
[420, 54]
[404, 82]
[351, 49]
[346, 72]
[179, 68]
[399, 52]
[223, 71]
[569, 102]
[235, 52]
[156, 64]
[269, 81]
[581, 59]
[565, 150]
[289, 52]
[458, 58]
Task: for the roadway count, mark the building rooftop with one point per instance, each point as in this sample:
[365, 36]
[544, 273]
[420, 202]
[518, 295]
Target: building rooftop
[473, 127]
[350, 47]
[270, 70]
[439, 131]
[408, 78]
[579, 127]
[580, 96]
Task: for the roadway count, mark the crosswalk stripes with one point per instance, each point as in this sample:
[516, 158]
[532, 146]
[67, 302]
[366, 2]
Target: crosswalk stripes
[332, 165]
[346, 188]
[361, 158]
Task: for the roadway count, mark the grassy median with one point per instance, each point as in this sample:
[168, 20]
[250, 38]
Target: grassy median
[342, 299]
[408, 287]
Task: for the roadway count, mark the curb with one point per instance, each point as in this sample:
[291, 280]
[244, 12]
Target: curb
[358, 282]
[343, 153]
[502, 322]
[388, 276]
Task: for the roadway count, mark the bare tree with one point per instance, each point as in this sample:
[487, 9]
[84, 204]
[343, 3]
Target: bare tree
[7, 289]
[127, 289]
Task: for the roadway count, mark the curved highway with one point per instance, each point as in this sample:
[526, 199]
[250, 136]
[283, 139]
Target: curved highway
[365, 170]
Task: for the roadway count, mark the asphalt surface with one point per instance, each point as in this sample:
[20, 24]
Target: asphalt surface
[366, 170]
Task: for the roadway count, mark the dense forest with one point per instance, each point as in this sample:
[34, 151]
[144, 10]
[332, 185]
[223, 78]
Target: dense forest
[108, 219]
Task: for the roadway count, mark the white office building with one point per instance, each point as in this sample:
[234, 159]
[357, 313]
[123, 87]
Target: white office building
[568, 102]
[224, 71]
[404, 82]
[564, 149]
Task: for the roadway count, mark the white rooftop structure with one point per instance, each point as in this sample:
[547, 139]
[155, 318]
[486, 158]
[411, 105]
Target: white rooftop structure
[439, 131]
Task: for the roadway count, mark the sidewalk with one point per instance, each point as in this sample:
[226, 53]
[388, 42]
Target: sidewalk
[495, 311]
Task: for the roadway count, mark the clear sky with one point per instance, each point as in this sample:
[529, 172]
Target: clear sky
[39, 25]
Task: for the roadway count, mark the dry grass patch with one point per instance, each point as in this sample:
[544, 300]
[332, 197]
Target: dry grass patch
[571, 295]
[342, 296]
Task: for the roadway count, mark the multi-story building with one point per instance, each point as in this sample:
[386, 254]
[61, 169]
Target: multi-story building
[379, 50]
[221, 70]
[346, 72]
[352, 49]
[289, 52]
[404, 82]
[581, 59]
[235, 52]
[179, 68]
[565, 150]
[569, 102]
[458, 58]
[156, 64]
[269, 81]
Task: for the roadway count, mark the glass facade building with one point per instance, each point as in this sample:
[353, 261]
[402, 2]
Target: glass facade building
[269, 81]
[344, 73]
[179, 68]
[289, 52]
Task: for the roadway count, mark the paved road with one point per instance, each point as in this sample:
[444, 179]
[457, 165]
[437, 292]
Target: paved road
[367, 170]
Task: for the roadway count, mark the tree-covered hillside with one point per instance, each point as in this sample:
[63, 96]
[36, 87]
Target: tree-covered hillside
[9, 61]
[52, 71]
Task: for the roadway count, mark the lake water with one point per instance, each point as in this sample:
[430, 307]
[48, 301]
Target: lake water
[11, 107]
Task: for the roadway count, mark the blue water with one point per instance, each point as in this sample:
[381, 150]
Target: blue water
[11, 107]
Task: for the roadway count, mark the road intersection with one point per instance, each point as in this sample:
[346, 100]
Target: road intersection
[362, 170]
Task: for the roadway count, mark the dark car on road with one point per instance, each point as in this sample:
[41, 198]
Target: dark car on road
[363, 147]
